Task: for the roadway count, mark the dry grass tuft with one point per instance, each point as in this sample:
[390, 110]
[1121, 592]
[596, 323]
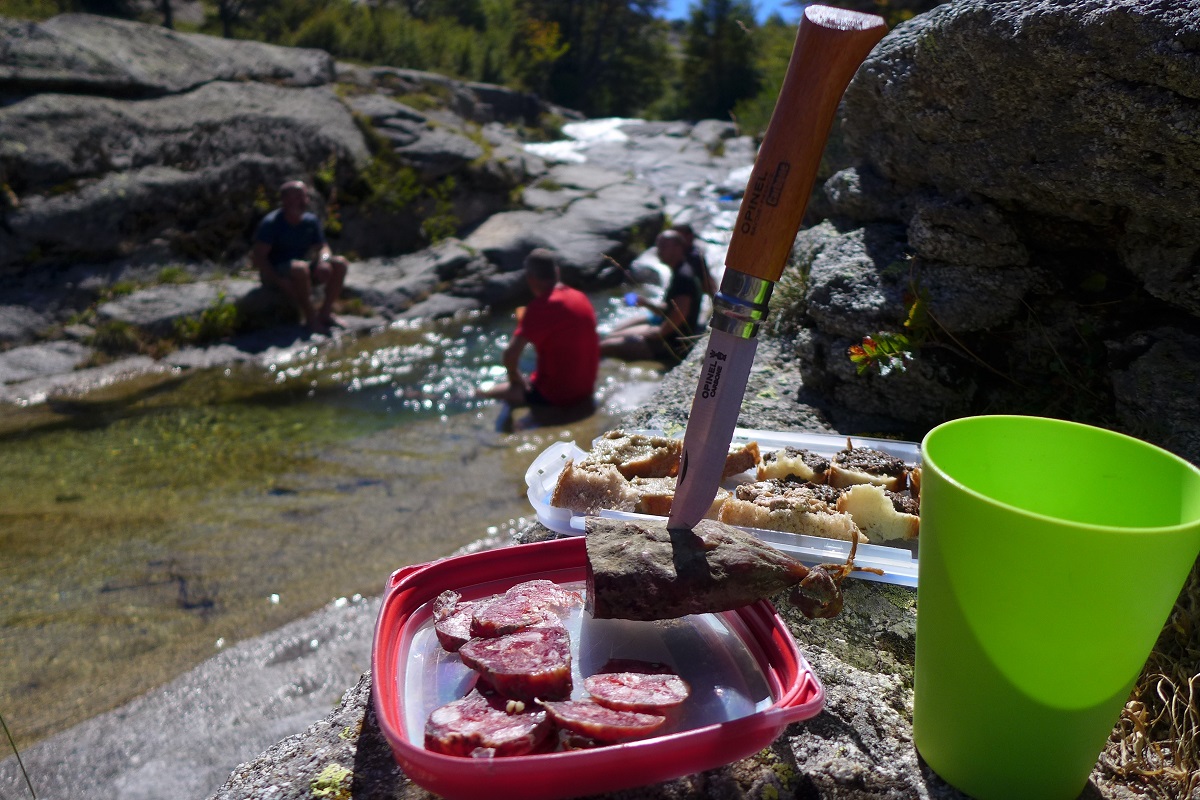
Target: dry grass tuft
[1156, 744]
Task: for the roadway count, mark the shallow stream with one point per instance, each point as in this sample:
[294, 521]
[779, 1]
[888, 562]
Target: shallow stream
[143, 529]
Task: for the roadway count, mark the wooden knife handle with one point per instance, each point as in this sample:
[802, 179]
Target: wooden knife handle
[830, 45]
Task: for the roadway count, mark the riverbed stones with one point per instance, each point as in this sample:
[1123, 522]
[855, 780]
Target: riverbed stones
[158, 309]
[38, 360]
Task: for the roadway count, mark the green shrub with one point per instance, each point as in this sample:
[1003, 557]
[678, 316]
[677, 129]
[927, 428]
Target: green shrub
[218, 321]
[117, 337]
[174, 275]
[120, 289]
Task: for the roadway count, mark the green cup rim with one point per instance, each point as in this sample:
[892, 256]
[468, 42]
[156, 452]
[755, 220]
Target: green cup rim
[928, 463]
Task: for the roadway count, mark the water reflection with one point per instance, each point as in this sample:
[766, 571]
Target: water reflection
[142, 528]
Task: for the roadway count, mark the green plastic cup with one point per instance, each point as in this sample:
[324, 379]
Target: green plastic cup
[1051, 554]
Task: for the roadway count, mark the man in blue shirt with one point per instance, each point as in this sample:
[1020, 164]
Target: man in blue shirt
[291, 254]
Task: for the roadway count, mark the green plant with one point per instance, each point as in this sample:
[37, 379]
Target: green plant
[886, 352]
[441, 222]
[120, 289]
[173, 275]
[116, 336]
[423, 101]
[549, 185]
[262, 202]
[355, 307]
[325, 178]
[219, 320]
[388, 185]
[475, 134]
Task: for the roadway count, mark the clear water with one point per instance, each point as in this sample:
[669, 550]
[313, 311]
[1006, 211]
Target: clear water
[143, 528]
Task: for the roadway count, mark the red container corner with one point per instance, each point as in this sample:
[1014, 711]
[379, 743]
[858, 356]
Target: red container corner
[795, 693]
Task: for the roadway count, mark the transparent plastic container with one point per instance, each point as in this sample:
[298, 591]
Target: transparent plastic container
[898, 561]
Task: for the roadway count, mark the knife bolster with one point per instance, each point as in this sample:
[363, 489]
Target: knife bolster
[741, 305]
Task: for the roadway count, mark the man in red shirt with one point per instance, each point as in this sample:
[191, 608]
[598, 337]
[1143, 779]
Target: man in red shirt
[560, 323]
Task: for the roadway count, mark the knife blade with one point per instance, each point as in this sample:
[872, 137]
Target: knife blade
[831, 43]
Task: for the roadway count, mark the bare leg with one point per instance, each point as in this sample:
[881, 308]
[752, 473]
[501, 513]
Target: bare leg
[301, 285]
[509, 393]
[334, 277]
[631, 344]
[632, 322]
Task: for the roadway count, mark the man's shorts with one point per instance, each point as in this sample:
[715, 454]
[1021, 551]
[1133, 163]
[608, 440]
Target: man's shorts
[284, 268]
[535, 398]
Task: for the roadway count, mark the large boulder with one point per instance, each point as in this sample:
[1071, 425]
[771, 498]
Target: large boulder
[86, 54]
[394, 285]
[96, 177]
[592, 218]
[1029, 173]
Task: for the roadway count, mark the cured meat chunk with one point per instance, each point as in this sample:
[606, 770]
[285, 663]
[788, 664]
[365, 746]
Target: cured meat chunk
[503, 615]
[533, 604]
[637, 691]
[482, 725]
[535, 662]
[452, 620]
[605, 725]
[643, 571]
[547, 593]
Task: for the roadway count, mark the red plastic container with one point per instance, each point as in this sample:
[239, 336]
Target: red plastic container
[748, 679]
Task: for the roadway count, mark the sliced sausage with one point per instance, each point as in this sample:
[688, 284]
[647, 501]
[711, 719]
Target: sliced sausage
[483, 725]
[535, 662]
[605, 725]
[452, 620]
[637, 691]
[532, 604]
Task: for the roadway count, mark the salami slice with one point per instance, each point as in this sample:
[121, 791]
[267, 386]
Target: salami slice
[482, 725]
[547, 593]
[452, 620]
[532, 604]
[637, 691]
[535, 662]
[605, 725]
[504, 614]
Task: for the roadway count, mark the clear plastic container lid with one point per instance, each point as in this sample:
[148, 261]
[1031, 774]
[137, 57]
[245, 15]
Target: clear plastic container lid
[897, 561]
[748, 681]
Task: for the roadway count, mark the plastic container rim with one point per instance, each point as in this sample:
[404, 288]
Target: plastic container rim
[929, 462]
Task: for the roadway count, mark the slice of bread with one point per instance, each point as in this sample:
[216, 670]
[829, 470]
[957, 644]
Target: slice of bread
[787, 506]
[741, 457]
[795, 463]
[655, 495]
[588, 488]
[857, 465]
[914, 482]
[636, 455]
[875, 511]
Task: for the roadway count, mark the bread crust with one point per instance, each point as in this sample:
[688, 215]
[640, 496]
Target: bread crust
[876, 515]
[741, 458]
[790, 507]
[856, 465]
[587, 488]
[637, 455]
[796, 463]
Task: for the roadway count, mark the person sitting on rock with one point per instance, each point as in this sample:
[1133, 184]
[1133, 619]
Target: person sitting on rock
[560, 323]
[667, 335]
[695, 258]
[291, 255]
